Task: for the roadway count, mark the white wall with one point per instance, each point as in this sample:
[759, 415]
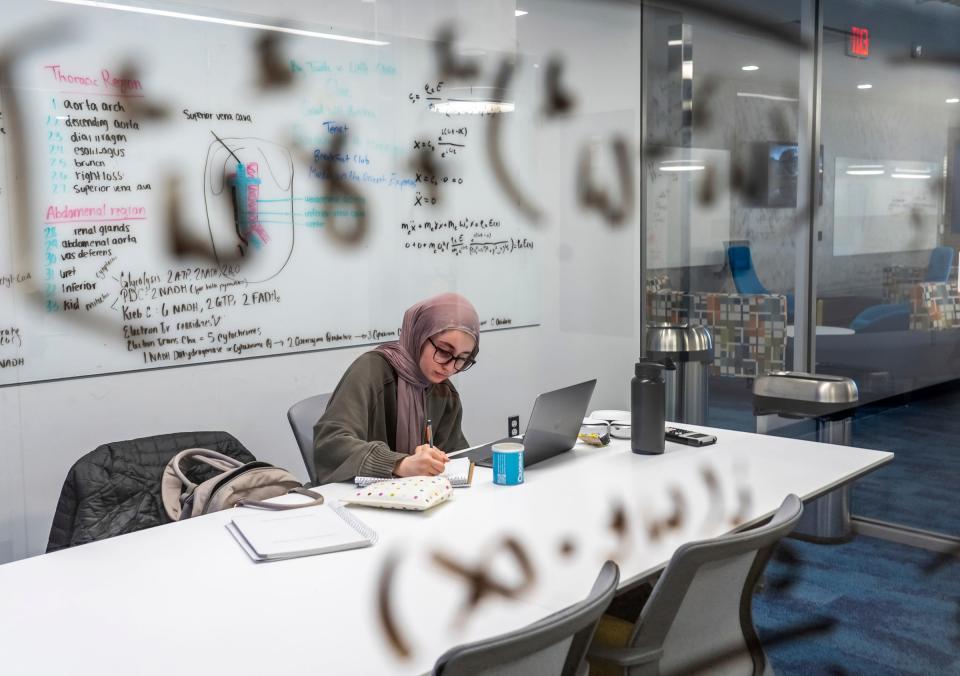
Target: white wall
[589, 285]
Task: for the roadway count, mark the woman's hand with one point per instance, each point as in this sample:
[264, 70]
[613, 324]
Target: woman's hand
[425, 460]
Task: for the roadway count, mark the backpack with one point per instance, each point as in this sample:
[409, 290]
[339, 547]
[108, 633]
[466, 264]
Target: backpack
[238, 485]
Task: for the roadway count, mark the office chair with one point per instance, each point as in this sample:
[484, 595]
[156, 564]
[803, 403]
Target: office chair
[941, 260]
[745, 275]
[555, 645]
[115, 488]
[699, 617]
[303, 416]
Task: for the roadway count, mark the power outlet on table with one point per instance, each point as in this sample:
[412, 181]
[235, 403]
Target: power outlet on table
[513, 426]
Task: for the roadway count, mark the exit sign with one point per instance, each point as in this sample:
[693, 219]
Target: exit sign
[858, 44]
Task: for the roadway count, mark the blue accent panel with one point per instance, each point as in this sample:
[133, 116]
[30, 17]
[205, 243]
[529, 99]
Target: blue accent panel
[941, 259]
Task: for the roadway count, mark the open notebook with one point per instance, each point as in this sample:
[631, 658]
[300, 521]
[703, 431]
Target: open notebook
[270, 536]
[459, 473]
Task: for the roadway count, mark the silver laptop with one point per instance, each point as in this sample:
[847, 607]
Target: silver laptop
[553, 427]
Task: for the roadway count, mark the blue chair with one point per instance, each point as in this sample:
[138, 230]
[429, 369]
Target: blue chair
[885, 317]
[896, 316]
[745, 276]
[941, 260]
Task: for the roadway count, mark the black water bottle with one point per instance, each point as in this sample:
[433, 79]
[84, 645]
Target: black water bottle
[648, 395]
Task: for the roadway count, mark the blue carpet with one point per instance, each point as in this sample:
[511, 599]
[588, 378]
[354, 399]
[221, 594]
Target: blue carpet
[891, 615]
[919, 488]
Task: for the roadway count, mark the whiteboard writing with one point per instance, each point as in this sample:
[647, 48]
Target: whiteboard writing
[683, 229]
[229, 228]
[885, 205]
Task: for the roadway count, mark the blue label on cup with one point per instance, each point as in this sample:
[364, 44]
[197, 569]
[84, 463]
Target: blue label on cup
[508, 464]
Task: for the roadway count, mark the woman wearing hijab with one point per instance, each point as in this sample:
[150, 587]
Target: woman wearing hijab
[375, 422]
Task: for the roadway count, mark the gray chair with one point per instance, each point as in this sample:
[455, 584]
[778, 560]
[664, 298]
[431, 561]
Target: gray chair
[555, 645]
[699, 617]
[303, 416]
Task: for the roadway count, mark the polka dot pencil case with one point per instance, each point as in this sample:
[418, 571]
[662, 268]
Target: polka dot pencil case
[414, 493]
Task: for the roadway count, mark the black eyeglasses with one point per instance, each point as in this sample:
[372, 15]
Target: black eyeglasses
[444, 357]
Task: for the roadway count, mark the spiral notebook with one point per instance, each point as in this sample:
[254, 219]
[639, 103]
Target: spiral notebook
[271, 536]
[459, 473]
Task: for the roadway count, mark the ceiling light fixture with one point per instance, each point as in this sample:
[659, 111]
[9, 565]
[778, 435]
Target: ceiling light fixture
[865, 85]
[911, 173]
[520, 12]
[682, 165]
[225, 22]
[770, 97]
[750, 67]
[953, 101]
[479, 100]
[460, 107]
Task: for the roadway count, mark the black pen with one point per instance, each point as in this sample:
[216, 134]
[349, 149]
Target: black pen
[430, 432]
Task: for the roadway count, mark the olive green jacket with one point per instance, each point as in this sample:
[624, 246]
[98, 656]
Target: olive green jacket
[356, 434]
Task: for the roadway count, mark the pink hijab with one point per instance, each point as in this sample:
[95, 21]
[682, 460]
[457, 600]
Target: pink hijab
[425, 319]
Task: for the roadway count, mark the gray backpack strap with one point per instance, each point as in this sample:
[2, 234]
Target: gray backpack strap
[175, 487]
[317, 499]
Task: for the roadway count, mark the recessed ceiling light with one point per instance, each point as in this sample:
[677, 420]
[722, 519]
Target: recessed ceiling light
[953, 100]
[750, 67]
[865, 85]
[520, 12]
[674, 43]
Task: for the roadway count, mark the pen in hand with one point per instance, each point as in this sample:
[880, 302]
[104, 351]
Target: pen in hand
[430, 438]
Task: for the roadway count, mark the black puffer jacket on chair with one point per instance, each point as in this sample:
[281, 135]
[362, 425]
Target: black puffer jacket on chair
[115, 489]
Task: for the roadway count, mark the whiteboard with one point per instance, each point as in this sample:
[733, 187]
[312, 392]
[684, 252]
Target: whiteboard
[215, 232]
[885, 205]
[687, 207]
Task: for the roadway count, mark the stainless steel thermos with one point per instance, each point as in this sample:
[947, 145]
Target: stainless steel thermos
[648, 393]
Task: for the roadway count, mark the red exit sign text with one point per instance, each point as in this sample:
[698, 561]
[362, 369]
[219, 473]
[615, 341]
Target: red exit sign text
[859, 43]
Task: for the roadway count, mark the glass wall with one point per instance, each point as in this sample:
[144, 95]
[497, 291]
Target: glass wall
[799, 201]
[727, 116]
[886, 241]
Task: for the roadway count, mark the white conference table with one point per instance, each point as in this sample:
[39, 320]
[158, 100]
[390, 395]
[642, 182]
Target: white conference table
[183, 598]
[823, 331]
